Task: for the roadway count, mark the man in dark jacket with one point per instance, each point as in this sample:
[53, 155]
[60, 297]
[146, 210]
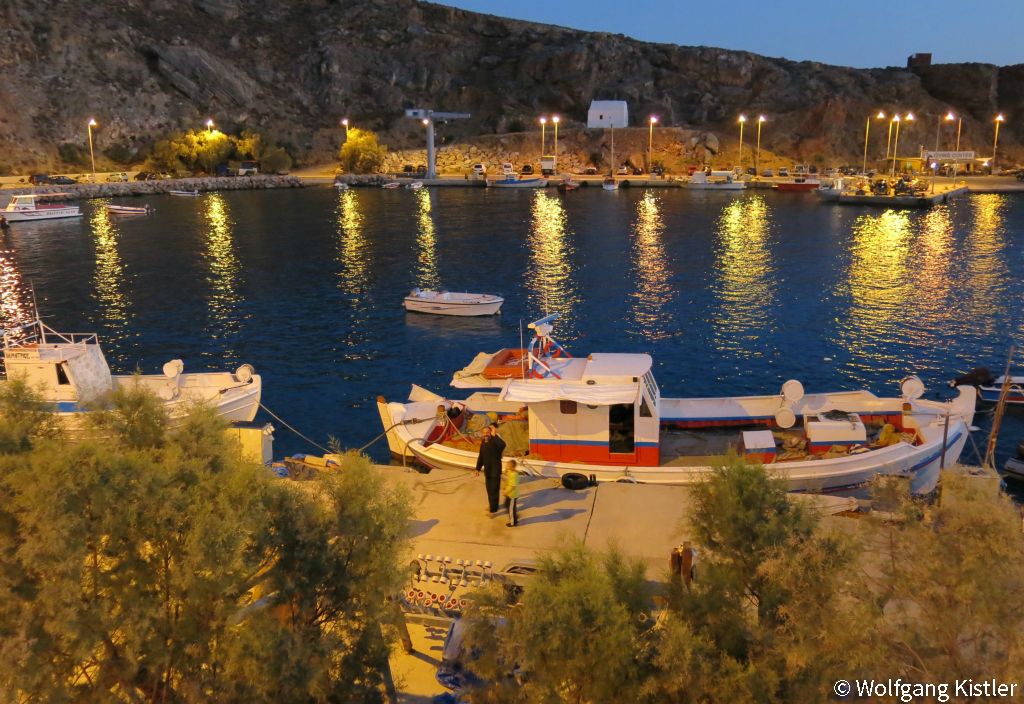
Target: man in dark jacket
[490, 460]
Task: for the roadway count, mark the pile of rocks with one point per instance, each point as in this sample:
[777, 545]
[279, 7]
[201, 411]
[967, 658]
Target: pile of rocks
[142, 188]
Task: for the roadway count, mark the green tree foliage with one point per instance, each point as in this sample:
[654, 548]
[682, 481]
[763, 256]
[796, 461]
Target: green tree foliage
[24, 418]
[362, 153]
[249, 145]
[150, 563]
[275, 160]
[573, 636]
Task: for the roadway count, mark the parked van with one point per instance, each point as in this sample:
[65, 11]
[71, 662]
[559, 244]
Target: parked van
[248, 168]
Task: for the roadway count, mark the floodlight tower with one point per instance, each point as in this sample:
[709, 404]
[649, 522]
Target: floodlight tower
[429, 117]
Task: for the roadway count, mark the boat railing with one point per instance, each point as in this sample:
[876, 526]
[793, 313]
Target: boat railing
[39, 333]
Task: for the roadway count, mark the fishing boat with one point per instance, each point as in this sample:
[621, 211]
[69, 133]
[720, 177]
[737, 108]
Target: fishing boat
[451, 303]
[341, 185]
[415, 185]
[830, 193]
[36, 206]
[603, 418]
[128, 209]
[513, 182]
[391, 185]
[70, 371]
[184, 194]
[567, 185]
[610, 184]
[798, 184]
[1015, 395]
[715, 181]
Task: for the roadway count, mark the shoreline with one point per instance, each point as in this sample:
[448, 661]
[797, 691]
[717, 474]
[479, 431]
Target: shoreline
[86, 191]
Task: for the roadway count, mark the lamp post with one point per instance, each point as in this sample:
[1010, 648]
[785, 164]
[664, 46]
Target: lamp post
[555, 120]
[949, 118]
[543, 125]
[995, 142]
[888, 141]
[757, 153]
[652, 121]
[209, 125]
[742, 120]
[896, 141]
[92, 157]
[867, 131]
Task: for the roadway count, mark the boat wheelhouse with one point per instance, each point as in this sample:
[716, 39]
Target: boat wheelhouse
[38, 206]
[603, 417]
[70, 372]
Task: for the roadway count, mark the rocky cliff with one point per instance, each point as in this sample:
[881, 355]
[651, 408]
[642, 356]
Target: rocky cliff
[144, 68]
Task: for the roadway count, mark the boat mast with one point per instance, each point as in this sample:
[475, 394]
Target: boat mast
[993, 437]
[612, 172]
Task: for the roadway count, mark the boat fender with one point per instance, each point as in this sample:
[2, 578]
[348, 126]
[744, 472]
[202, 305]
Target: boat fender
[912, 388]
[173, 368]
[244, 373]
[593, 480]
[575, 481]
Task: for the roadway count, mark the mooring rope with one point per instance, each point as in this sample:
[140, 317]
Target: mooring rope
[292, 428]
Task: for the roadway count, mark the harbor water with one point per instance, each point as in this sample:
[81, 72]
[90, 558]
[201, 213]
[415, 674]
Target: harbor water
[730, 293]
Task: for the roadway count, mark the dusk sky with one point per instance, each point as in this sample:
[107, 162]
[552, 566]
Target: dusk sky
[861, 34]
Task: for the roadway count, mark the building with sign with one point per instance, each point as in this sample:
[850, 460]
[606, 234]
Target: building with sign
[608, 113]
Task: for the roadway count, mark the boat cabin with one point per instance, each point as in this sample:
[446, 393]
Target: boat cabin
[34, 201]
[713, 177]
[65, 368]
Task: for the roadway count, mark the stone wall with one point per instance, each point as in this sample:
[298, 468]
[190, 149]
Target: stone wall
[143, 188]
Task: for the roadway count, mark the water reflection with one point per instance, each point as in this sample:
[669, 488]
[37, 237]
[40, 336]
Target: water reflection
[15, 298]
[224, 272]
[880, 290]
[986, 260]
[934, 265]
[552, 258]
[426, 243]
[652, 316]
[746, 277]
[109, 281]
[353, 249]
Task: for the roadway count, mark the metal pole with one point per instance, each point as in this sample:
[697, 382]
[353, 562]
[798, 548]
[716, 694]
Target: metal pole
[92, 157]
[995, 145]
[997, 420]
[741, 146]
[938, 124]
[543, 127]
[888, 141]
[895, 148]
[757, 154]
[431, 156]
[650, 146]
[956, 162]
[867, 131]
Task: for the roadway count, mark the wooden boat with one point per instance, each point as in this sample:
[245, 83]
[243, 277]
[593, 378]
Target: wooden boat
[70, 371]
[798, 184]
[36, 206]
[990, 392]
[603, 417]
[568, 185]
[184, 194]
[513, 182]
[451, 303]
[128, 209]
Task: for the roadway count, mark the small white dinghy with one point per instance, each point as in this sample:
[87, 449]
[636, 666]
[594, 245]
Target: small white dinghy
[184, 194]
[415, 185]
[341, 185]
[128, 209]
[449, 303]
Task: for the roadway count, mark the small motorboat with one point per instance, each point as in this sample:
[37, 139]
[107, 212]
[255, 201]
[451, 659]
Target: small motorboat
[513, 182]
[450, 303]
[799, 184]
[128, 209]
[715, 181]
[27, 207]
[184, 194]
[1014, 466]
[568, 185]
[391, 185]
[610, 184]
[415, 185]
[341, 185]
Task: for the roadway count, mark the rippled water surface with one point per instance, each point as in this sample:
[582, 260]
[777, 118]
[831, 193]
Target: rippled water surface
[730, 294]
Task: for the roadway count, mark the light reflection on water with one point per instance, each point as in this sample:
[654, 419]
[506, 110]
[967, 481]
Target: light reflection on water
[746, 287]
[223, 301]
[549, 279]
[986, 261]
[109, 282]
[353, 250]
[652, 315]
[426, 241]
[15, 298]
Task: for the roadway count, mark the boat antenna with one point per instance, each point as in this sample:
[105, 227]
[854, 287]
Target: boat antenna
[35, 312]
[522, 357]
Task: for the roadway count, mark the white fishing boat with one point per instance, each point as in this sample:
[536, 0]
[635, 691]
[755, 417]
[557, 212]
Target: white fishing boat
[128, 209]
[452, 303]
[830, 193]
[184, 194]
[37, 206]
[70, 372]
[715, 181]
[341, 185]
[391, 185]
[610, 184]
[603, 418]
[415, 185]
[513, 182]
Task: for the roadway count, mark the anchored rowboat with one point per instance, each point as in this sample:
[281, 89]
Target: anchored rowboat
[603, 417]
[451, 303]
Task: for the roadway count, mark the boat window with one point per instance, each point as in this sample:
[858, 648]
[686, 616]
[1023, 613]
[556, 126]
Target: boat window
[62, 375]
[621, 428]
[645, 410]
[568, 408]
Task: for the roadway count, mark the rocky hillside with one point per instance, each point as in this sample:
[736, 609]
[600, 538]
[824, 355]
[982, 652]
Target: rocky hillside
[144, 68]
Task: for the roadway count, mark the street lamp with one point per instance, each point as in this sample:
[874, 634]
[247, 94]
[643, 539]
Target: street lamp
[742, 120]
[995, 142]
[896, 141]
[757, 154]
[867, 131]
[652, 121]
[209, 125]
[555, 120]
[92, 157]
[543, 125]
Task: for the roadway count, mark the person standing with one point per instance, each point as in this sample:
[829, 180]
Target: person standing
[489, 459]
[511, 491]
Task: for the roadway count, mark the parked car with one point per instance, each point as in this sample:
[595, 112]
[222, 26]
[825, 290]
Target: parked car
[248, 168]
[421, 170]
[527, 170]
[39, 179]
[590, 171]
[623, 170]
[658, 170]
[768, 173]
[830, 171]
[799, 169]
[637, 171]
[407, 169]
[479, 170]
[783, 171]
[62, 180]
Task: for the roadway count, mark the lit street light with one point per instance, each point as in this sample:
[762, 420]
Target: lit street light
[995, 142]
[92, 157]
[653, 120]
[209, 125]
[896, 141]
[867, 131]
[959, 122]
[543, 125]
[555, 120]
[757, 153]
[742, 120]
